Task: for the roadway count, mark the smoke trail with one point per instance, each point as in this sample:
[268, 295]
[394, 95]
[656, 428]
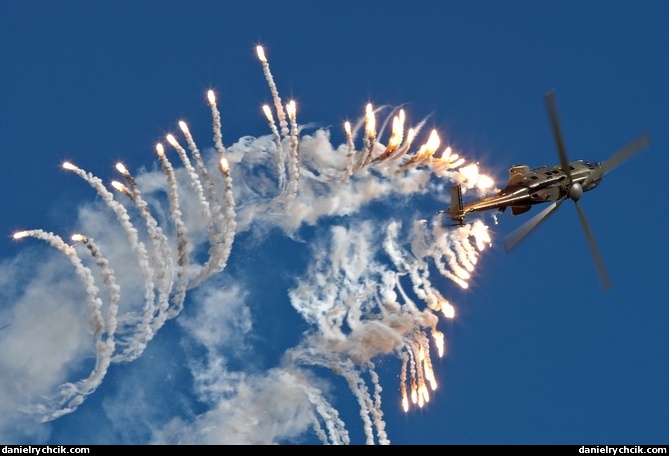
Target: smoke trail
[337, 434]
[359, 389]
[161, 254]
[350, 152]
[377, 411]
[281, 114]
[109, 279]
[227, 224]
[280, 156]
[183, 246]
[205, 206]
[199, 162]
[143, 332]
[196, 185]
[348, 292]
[230, 216]
[71, 395]
[221, 226]
[368, 139]
[293, 157]
[217, 127]
[345, 275]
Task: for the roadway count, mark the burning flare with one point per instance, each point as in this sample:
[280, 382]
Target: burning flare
[354, 298]
[261, 54]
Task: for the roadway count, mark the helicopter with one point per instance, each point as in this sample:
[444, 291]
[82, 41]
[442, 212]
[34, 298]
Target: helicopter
[528, 187]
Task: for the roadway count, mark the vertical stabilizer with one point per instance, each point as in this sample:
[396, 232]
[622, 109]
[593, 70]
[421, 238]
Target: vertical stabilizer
[456, 204]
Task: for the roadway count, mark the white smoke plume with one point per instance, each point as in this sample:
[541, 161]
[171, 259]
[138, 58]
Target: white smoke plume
[71, 395]
[366, 290]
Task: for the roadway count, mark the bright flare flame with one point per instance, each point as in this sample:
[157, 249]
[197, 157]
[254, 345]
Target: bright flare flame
[446, 153]
[291, 109]
[448, 310]
[171, 140]
[438, 337]
[482, 236]
[370, 121]
[261, 54]
[410, 136]
[427, 150]
[397, 133]
[485, 182]
[462, 273]
[119, 186]
[472, 174]
[121, 169]
[268, 113]
[418, 359]
[424, 394]
[432, 380]
[432, 142]
[464, 285]
[224, 165]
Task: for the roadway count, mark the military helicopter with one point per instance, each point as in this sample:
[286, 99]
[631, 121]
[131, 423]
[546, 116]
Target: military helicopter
[528, 187]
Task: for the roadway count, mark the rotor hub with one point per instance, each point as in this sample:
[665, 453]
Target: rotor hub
[576, 191]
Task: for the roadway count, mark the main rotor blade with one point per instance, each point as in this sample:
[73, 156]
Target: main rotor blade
[599, 262]
[551, 106]
[635, 146]
[523, 230]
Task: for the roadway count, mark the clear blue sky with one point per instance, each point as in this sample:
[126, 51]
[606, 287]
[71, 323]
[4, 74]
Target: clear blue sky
[537, 353]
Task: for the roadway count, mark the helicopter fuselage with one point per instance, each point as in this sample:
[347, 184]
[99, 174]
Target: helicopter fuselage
[527, 187]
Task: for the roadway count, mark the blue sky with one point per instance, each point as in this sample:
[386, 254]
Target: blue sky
[536, 354]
